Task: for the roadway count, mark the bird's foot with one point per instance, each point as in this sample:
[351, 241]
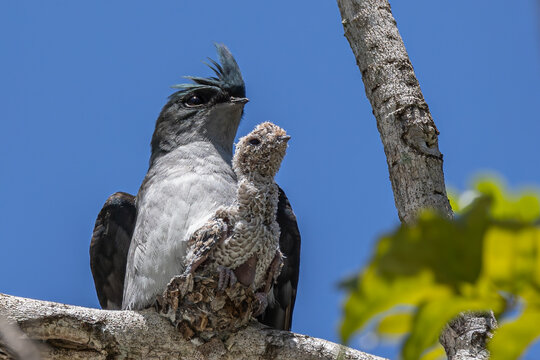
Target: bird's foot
[180, 285]
[173, 294]
[186, 286]
[227, 278]
[262, 299]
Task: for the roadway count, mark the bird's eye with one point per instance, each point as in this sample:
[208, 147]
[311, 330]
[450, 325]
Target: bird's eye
[254, 141]
[194, 100]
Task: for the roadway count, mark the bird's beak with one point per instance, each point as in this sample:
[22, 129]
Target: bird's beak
[284, 138]
[237, 100]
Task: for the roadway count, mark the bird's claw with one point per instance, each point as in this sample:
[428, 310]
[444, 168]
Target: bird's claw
[262, 299]
[176, 289]
[181, 284]
[187, 285]
[227, 278]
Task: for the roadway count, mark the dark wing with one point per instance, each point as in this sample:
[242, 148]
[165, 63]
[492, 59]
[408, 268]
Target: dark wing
[109, 248]
[279, 315]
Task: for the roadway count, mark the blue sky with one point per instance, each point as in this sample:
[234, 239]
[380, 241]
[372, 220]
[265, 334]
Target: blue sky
[83, 82]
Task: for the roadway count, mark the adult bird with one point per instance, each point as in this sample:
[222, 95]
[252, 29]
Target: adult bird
[139, 243]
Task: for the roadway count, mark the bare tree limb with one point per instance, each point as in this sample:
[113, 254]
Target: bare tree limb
[465, 337]
[15, 344]
[409, 137]
[74, 332]
[407, 130]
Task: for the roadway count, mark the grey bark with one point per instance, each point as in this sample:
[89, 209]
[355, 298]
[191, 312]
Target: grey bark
[465, 337]
[407, 130]
[15, 344]
[73, 332]
[410, 140]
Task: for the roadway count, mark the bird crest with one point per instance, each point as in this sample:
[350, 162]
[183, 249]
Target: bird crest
[228, 76]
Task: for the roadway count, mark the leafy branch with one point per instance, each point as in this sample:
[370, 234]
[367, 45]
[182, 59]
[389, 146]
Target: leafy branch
[425, 273]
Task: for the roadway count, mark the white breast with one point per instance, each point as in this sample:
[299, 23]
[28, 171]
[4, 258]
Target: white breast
[182, 191]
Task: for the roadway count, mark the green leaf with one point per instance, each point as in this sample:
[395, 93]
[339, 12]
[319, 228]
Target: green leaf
[453, 198]
[436, 353]
[512, 338]
[376, 295]
[434, 315]
[486, 258]
[395, 324]
[519, 207]
[407, 271]
[511, 257]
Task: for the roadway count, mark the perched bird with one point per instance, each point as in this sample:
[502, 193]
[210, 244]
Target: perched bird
[247, 246]
[240, 244]
[189, 178]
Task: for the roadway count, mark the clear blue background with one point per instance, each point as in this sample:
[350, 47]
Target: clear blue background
[81, 84]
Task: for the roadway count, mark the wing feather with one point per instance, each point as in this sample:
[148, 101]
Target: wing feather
[109, 248]
[279, 315]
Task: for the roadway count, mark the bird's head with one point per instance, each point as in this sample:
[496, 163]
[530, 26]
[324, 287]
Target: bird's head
[261, 151]
[209, 109]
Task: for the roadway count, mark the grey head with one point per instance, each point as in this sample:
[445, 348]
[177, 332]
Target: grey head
[209, 109]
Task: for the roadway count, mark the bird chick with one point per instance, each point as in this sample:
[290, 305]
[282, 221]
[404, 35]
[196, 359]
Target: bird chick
[239, 246]
[253, 245]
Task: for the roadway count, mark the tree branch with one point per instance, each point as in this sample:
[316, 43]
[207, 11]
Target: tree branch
[15, 344]
[465, 337]
[409, 137]
[73, 332]
[407, 130]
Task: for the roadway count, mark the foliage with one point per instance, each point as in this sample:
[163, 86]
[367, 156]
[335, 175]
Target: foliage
[423, 275]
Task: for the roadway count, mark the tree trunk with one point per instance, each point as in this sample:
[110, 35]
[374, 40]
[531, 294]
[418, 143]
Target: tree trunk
[465, 337]
[73, 332]
[407, 130]
[409, 137]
